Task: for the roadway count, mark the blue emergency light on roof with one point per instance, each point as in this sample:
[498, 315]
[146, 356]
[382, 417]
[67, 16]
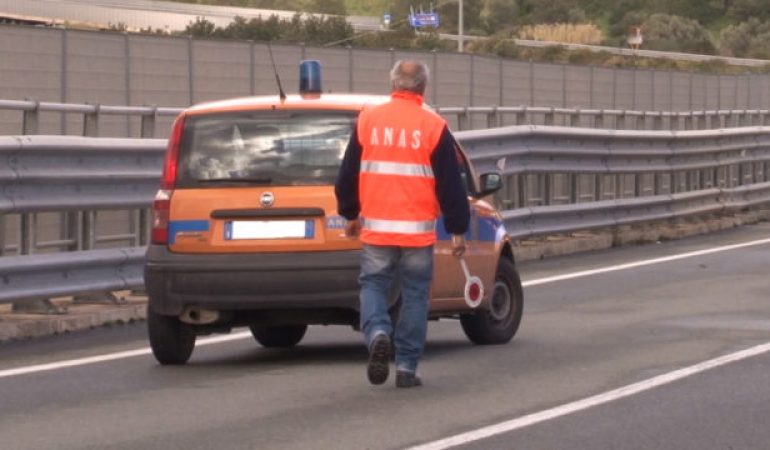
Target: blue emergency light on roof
[310, 77]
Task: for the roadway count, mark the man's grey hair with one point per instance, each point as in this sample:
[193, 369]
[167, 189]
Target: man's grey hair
[409, 75]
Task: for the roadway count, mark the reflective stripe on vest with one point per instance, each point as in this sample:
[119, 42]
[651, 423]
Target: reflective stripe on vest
[398, 226]
[394, 168]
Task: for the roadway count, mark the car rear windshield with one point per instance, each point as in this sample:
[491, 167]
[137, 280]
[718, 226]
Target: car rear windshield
[268, 148]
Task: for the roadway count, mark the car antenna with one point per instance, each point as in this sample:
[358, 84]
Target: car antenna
[275, 71]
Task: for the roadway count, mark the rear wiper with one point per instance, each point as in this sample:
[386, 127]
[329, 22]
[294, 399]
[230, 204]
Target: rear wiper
[239, 180]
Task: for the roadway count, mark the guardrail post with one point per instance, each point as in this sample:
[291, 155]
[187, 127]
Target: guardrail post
[638, 188]
[549, 117]
[673, 121]
[28, 225]
[574, 188]
[91, 123]
[599, 120]
[2, 234]
[598, 187]
[87, 230]
[140, 226]
[702, 122]
[463, 120]
[87, 241]
[521, 116]
[493, 118]
[31, 120]
[147, 129]
[657, 122]
[522, 182]
[620, 120]
[574, 118]
[688, 121]
[751, 118]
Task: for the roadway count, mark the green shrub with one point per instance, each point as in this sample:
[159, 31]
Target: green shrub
[676, 33]
[750, 39]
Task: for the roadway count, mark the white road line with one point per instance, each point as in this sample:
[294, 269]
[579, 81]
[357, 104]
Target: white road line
[236, 336]
[646, 262]
[589, 402]
[111, 356]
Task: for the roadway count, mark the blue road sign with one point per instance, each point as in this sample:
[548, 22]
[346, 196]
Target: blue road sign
[422, 20]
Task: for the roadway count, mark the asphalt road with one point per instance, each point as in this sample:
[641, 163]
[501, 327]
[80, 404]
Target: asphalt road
[597, 364]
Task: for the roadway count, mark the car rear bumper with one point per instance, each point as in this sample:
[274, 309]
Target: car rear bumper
[267, 281]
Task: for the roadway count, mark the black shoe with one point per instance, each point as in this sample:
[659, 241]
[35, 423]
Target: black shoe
[406, 379]
[379, 359]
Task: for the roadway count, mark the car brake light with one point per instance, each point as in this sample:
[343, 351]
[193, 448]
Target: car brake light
[160, 215]
[162, 203]
[168, 180]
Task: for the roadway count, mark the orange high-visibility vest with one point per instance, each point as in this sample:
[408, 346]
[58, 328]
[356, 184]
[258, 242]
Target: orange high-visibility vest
[396, 185]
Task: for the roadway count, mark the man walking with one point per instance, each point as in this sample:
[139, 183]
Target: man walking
[399, 173]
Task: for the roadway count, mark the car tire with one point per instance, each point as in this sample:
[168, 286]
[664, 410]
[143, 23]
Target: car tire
[278, 336]
[172, 341]
[499, 322]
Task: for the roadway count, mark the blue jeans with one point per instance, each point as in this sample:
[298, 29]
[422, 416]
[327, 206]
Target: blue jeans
[379, 267]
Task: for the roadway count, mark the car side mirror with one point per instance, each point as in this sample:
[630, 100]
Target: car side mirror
[489, 183]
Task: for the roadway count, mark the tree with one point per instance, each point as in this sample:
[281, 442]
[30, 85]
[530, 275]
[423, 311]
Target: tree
[750, 39]
[500, 15]
[200, 28]
[743, 10]
[676, 33]
[326, 7]
[704, 11]
[553, 11]
[449, 16]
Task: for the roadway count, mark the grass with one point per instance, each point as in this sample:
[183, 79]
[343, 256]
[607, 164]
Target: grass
[582, 33]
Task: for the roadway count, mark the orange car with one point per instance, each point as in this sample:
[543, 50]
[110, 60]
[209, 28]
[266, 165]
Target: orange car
[246, 233]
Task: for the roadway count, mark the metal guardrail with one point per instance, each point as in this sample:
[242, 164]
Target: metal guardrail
[31, 110]
[469, 117]
[557, 179]
[465, 118]
[35, 277]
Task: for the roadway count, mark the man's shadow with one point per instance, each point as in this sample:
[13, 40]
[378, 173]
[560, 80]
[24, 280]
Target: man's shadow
[315, 353]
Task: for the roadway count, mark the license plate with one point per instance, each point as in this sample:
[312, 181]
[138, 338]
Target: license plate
[269, 229]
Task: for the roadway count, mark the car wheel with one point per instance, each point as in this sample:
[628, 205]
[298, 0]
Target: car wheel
[499, 322]
[278, 336]
[172, 341]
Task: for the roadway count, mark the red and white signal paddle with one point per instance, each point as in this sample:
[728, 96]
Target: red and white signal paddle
[474, 289]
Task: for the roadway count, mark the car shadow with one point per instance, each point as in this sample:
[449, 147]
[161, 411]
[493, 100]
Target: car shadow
[330, 353]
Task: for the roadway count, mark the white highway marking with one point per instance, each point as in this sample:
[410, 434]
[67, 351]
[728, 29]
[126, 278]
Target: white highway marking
[235, 336]
[579, 405]
[111, 356]
[646, 262]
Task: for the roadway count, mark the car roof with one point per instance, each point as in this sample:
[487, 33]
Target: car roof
[351, 102]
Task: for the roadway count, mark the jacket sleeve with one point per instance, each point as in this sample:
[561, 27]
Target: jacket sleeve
[450, 188]
[346, 186]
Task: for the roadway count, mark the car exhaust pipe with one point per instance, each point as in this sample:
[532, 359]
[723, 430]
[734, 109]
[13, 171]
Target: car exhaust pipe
[196, 316]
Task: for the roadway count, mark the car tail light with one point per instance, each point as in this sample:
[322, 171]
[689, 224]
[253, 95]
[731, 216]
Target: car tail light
[162, 203]
[168, 181]
[160, 215]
